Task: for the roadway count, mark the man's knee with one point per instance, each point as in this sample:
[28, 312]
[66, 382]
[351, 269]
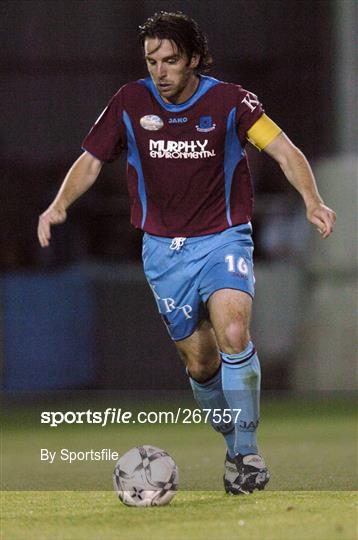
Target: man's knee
[200, 368]
[230, 313]
[234, 335]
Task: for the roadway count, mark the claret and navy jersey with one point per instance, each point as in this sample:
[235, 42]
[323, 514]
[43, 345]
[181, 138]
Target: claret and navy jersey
[187, 168]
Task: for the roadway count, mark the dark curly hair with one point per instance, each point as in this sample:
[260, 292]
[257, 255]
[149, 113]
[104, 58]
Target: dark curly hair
[181, 30]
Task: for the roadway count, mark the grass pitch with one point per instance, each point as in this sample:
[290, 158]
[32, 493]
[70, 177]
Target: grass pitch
[198, 515]
[310, 449]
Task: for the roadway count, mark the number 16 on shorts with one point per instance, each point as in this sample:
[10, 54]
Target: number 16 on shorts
[236, 264]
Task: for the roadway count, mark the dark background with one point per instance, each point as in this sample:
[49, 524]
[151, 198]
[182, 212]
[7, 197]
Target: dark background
[62, 61]
[79, 314]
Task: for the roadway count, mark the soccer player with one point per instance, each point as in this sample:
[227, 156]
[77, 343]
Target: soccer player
[190, 191]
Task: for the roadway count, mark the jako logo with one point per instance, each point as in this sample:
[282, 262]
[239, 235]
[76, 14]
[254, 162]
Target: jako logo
[182, 120]
[248, 426]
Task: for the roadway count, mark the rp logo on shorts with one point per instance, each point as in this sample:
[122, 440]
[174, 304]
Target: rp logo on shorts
[169, 304]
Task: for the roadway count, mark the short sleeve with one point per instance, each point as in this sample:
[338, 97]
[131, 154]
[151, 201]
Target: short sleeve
[107, 137]
[248, 111]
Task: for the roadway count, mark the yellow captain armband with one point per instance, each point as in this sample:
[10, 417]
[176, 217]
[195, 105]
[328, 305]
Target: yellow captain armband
[263, 132]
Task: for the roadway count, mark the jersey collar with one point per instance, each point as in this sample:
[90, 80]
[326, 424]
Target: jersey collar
[204, 85]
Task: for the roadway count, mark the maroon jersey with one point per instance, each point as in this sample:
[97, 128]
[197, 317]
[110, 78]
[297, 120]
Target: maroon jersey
[187, 168]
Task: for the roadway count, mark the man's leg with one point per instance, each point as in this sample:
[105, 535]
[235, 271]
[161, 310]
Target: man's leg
[202, 359]
[230, 313]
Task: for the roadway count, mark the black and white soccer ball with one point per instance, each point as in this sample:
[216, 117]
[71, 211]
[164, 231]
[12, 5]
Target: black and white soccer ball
[146, 476]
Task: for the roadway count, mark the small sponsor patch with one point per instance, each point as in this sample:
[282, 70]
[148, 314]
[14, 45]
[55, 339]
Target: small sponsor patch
[151, 122]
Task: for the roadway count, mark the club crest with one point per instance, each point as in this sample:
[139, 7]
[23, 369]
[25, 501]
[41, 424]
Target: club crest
[205, 124]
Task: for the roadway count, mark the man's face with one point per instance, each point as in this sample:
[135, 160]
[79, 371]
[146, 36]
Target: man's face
[171, 72]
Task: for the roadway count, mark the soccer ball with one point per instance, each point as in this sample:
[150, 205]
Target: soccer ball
[146, 476]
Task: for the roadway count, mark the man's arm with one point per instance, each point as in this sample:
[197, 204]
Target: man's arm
[299, 173]
[79, 179]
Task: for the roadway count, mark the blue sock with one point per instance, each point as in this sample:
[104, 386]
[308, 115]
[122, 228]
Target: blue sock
[241, 376]
[210, 395]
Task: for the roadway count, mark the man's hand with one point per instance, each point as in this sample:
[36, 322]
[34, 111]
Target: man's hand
[323, 217]
[298, 172]
[79, 179]
[51, 216]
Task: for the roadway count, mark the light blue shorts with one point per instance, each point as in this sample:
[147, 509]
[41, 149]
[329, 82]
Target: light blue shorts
[184, 273]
